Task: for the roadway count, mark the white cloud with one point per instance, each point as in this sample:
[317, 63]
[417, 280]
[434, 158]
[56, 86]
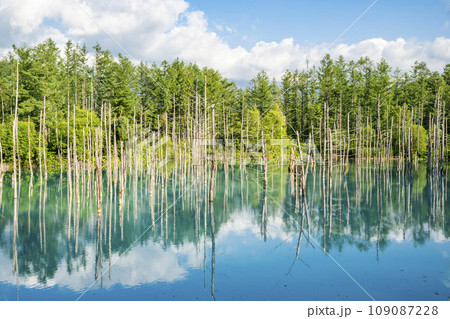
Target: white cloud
[439, 49]
[158, 30]
[245, 221]
[151, 262]
[400, 52]
[77, 17]
[144, 265]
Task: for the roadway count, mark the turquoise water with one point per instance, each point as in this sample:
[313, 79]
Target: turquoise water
[355, 237]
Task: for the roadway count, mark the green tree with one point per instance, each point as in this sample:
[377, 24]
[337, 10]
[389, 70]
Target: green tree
[274, 126]
[124, 98]
[261, 92]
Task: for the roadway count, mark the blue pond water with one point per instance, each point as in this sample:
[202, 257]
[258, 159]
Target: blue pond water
[356, 236]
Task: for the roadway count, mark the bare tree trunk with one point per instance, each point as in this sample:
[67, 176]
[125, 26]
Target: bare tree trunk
[291, 160]
[174, 135]
[98, 166]
[14, 178]
[246, 150]
[29, 147]
[75, 158]
[410, 141]
[281, 143]
[241, 155]
[44, 139]
[348, 138]
[1, 164]
[40, 144]
[213, 124]
[430, 160]
[301, 181]
[264, 147]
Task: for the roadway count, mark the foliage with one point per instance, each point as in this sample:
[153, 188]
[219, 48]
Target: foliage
[144, 95]
[274, 126]
[83, 127]
[421, 134]
[22, 130]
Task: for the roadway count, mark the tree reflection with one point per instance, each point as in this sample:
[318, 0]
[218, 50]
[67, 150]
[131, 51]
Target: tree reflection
[355, 208]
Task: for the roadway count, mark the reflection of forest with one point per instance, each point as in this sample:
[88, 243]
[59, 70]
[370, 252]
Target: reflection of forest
[361, 209]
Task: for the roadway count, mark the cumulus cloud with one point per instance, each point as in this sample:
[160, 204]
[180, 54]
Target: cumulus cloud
[156, 30]
[151, 262]
[245, 221]
[145, 265]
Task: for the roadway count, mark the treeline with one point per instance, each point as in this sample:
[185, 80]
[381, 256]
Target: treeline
[357, 100]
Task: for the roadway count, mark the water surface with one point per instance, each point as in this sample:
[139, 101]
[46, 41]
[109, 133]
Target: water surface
[356, 236]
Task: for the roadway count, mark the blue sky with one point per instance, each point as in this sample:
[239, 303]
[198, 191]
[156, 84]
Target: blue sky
[323, 21]
[239, 38]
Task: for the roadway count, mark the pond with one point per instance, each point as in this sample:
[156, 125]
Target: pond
[355, 235]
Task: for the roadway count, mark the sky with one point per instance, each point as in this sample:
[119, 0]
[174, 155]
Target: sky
[239, 38]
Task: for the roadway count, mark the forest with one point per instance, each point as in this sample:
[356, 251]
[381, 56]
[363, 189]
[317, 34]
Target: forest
[53, 103]
[137, 148]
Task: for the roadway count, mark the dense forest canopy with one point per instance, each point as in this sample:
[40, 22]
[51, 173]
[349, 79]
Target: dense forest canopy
[337, 92]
